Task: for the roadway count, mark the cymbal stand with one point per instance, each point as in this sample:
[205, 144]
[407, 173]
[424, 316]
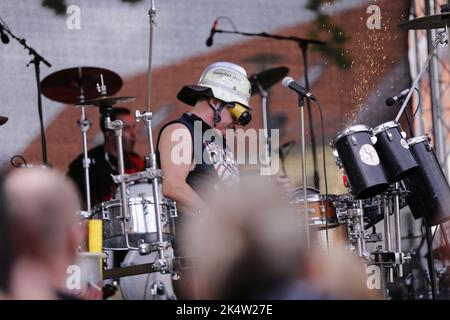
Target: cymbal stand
[151, 15]
[355, 215]
[84, 125]
[163, 263]
[161, 244]
[441, 38]
[264, 97]
[398, 234]
[117, 127]
[387, 235]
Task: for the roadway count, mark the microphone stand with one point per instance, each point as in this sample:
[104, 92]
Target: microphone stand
[303, 45]
[301, 104]
[441, 38]
[36, 60]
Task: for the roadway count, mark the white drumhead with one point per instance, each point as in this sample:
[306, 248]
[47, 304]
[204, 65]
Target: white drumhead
[142, 189]
[140, 287]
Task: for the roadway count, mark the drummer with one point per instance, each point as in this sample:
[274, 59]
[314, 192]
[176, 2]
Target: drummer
[104, 159]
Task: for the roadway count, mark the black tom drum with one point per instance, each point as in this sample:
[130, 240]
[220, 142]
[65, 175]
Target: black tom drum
[360, 161]
[396, 158]
[429, 190]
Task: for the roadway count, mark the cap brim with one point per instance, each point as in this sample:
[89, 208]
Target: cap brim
[192, 93]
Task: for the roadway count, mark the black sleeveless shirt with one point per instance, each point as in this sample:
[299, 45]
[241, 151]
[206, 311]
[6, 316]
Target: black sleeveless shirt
[214, 162]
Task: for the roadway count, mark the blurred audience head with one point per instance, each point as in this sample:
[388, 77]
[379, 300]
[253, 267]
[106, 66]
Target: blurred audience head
[45, 233]
[252, 245]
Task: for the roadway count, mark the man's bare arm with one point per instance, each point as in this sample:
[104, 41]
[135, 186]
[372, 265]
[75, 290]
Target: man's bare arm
[175, 173]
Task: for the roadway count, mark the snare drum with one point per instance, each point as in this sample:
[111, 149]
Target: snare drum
[429, 190]
[321, 209]
[396, 158]
[141, 225]
[360, 161]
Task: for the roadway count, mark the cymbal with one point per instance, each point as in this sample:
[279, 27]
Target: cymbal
[3, 120]
[107, 101]
[267, 78]
[430, 22]
[64, 85]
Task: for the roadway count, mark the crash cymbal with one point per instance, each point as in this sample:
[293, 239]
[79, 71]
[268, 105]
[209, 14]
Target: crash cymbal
[267, 78]
[3, 120]
[107, 101]
[64, 85]
[430, 22]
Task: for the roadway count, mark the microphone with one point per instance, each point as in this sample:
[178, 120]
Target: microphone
[209, 41]
[3, 35]
[392, 100]
[288, 82]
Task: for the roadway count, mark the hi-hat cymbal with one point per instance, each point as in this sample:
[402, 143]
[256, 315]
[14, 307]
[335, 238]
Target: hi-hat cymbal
[267, 78]
[65, 85]
[107, 101]
[3, 120]
[430, 22]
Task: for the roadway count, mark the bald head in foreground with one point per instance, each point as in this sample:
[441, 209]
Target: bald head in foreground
[45, 232]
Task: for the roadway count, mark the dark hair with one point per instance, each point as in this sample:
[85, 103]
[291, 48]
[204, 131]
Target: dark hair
[113, 115]
[5, 241]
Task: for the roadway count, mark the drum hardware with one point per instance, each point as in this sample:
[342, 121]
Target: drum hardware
[84, 125]
[398, 234]
[177, 264]
[389, 258]
[356, 224]
[147, 118]
[164, 263]
[157, 289]
[374, 236]
[387, 235]
[84, 215]
[145, 248]
[147, 174]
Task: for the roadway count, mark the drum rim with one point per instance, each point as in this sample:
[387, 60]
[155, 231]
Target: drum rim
[350, 130]
[416, 140]
[385, 126]
[316, 198]
[131, 201]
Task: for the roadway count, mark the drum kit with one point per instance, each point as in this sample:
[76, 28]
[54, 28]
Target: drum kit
[136, 220]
